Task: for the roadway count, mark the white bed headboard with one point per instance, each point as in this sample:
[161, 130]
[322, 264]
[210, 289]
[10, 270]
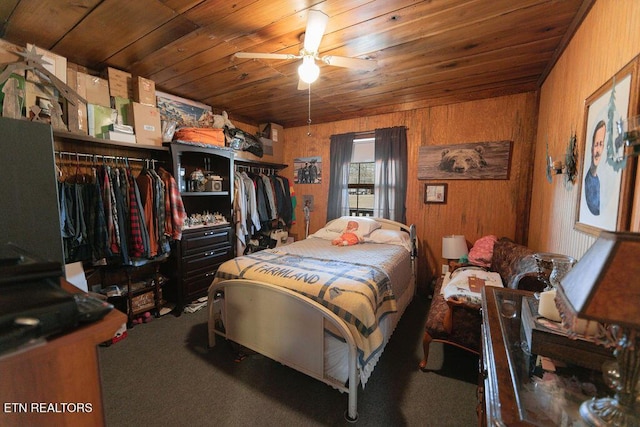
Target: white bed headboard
[388, 224]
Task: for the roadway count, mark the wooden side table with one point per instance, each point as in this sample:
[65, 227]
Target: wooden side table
[58, 381]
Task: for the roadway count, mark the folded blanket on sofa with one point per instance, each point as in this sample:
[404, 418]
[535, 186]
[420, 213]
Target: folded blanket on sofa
[465, 284]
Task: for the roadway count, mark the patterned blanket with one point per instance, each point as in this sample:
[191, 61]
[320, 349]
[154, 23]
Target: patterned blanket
[359, 294]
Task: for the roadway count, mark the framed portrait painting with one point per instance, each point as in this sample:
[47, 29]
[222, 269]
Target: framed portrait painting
[605, 173]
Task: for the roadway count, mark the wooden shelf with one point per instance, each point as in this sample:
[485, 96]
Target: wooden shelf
[106, 142]
[259, 164]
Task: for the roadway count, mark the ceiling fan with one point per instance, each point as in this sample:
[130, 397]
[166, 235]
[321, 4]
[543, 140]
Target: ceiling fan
[308, 71]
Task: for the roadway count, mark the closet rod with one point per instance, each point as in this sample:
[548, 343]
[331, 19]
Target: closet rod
[103, 156]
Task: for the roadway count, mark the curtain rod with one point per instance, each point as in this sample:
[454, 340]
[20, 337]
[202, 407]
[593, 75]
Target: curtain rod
[371, 133]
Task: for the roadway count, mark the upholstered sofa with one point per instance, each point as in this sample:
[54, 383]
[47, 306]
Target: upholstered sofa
[458, 323]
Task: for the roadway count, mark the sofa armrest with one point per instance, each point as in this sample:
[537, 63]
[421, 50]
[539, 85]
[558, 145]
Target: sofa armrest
[529, 281]
[454, 321]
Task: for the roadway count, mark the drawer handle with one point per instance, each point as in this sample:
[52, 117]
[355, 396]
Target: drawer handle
[213, 233]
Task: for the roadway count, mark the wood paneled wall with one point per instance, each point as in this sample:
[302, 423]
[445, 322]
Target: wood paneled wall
[606, 41]
[474, 207]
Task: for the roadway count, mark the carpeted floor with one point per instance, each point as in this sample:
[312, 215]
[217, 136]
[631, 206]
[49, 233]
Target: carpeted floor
[163, 374]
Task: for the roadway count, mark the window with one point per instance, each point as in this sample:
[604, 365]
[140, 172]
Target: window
[379, 173]
[362, 177]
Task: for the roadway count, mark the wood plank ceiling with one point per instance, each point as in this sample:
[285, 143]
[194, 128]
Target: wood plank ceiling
[428, 52]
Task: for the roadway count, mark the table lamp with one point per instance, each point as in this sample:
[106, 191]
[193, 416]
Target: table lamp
[605, 286]
[454, 247]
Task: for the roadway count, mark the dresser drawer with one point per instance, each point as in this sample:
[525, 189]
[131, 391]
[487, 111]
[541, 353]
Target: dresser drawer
[196, 239]
[199, 282]
[207, 258]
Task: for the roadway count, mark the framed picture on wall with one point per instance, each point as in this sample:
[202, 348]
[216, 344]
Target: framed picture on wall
[605, 173]
[435, 193]
[475, 160]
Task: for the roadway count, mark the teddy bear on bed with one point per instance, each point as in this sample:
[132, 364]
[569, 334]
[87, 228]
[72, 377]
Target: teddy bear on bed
[349, 236]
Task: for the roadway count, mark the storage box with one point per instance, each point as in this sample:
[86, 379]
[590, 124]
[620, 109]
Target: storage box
[143, 302]
[272, 131]
[144, 91]
[272, 152]
[146, 124]
[119, 82]
[76, 114]
[9, 52]
[99, 119]
[121, 136]
[97, 90]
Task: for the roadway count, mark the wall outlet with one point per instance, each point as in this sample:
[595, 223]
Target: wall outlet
[445, 269]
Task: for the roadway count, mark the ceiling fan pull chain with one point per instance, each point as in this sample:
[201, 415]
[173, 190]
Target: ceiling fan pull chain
[309, 119]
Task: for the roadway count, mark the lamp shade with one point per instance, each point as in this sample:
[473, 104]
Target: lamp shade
[454, 247]
[605, 284]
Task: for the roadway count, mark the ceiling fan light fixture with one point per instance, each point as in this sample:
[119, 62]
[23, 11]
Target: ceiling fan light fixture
[308, 71]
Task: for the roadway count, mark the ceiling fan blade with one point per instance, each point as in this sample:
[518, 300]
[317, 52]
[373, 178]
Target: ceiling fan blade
[316, 24]
[343, 61]
[265, 55]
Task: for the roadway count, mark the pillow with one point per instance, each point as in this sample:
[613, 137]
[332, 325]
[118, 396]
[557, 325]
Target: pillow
[482, 251]
[365, 225]
[390, 237]
[325, 234]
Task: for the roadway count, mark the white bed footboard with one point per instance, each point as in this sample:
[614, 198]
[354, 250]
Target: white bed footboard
[282, 325]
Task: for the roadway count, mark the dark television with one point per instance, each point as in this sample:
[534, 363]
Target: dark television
[29, 213]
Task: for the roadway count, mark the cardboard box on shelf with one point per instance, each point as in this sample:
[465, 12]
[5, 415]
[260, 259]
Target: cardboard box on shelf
[80, 78]
[76, 67]
[144, 91]
[121, 136]
[97, 90]
[99, 119]
[76, 114]
[119, 82]
[272, 152]
[272, 131]
[9, 52]
[146, 124]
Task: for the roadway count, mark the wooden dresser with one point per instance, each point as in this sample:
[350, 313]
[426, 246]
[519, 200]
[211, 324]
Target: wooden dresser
[196, 260]
[509, 394]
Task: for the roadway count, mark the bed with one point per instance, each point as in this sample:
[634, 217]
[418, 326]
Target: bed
[325, 310]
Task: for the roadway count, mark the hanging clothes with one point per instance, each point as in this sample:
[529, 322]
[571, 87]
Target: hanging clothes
[283, 198]
[146, 186]
[175, 213]
[114, 218]
[240, 204]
